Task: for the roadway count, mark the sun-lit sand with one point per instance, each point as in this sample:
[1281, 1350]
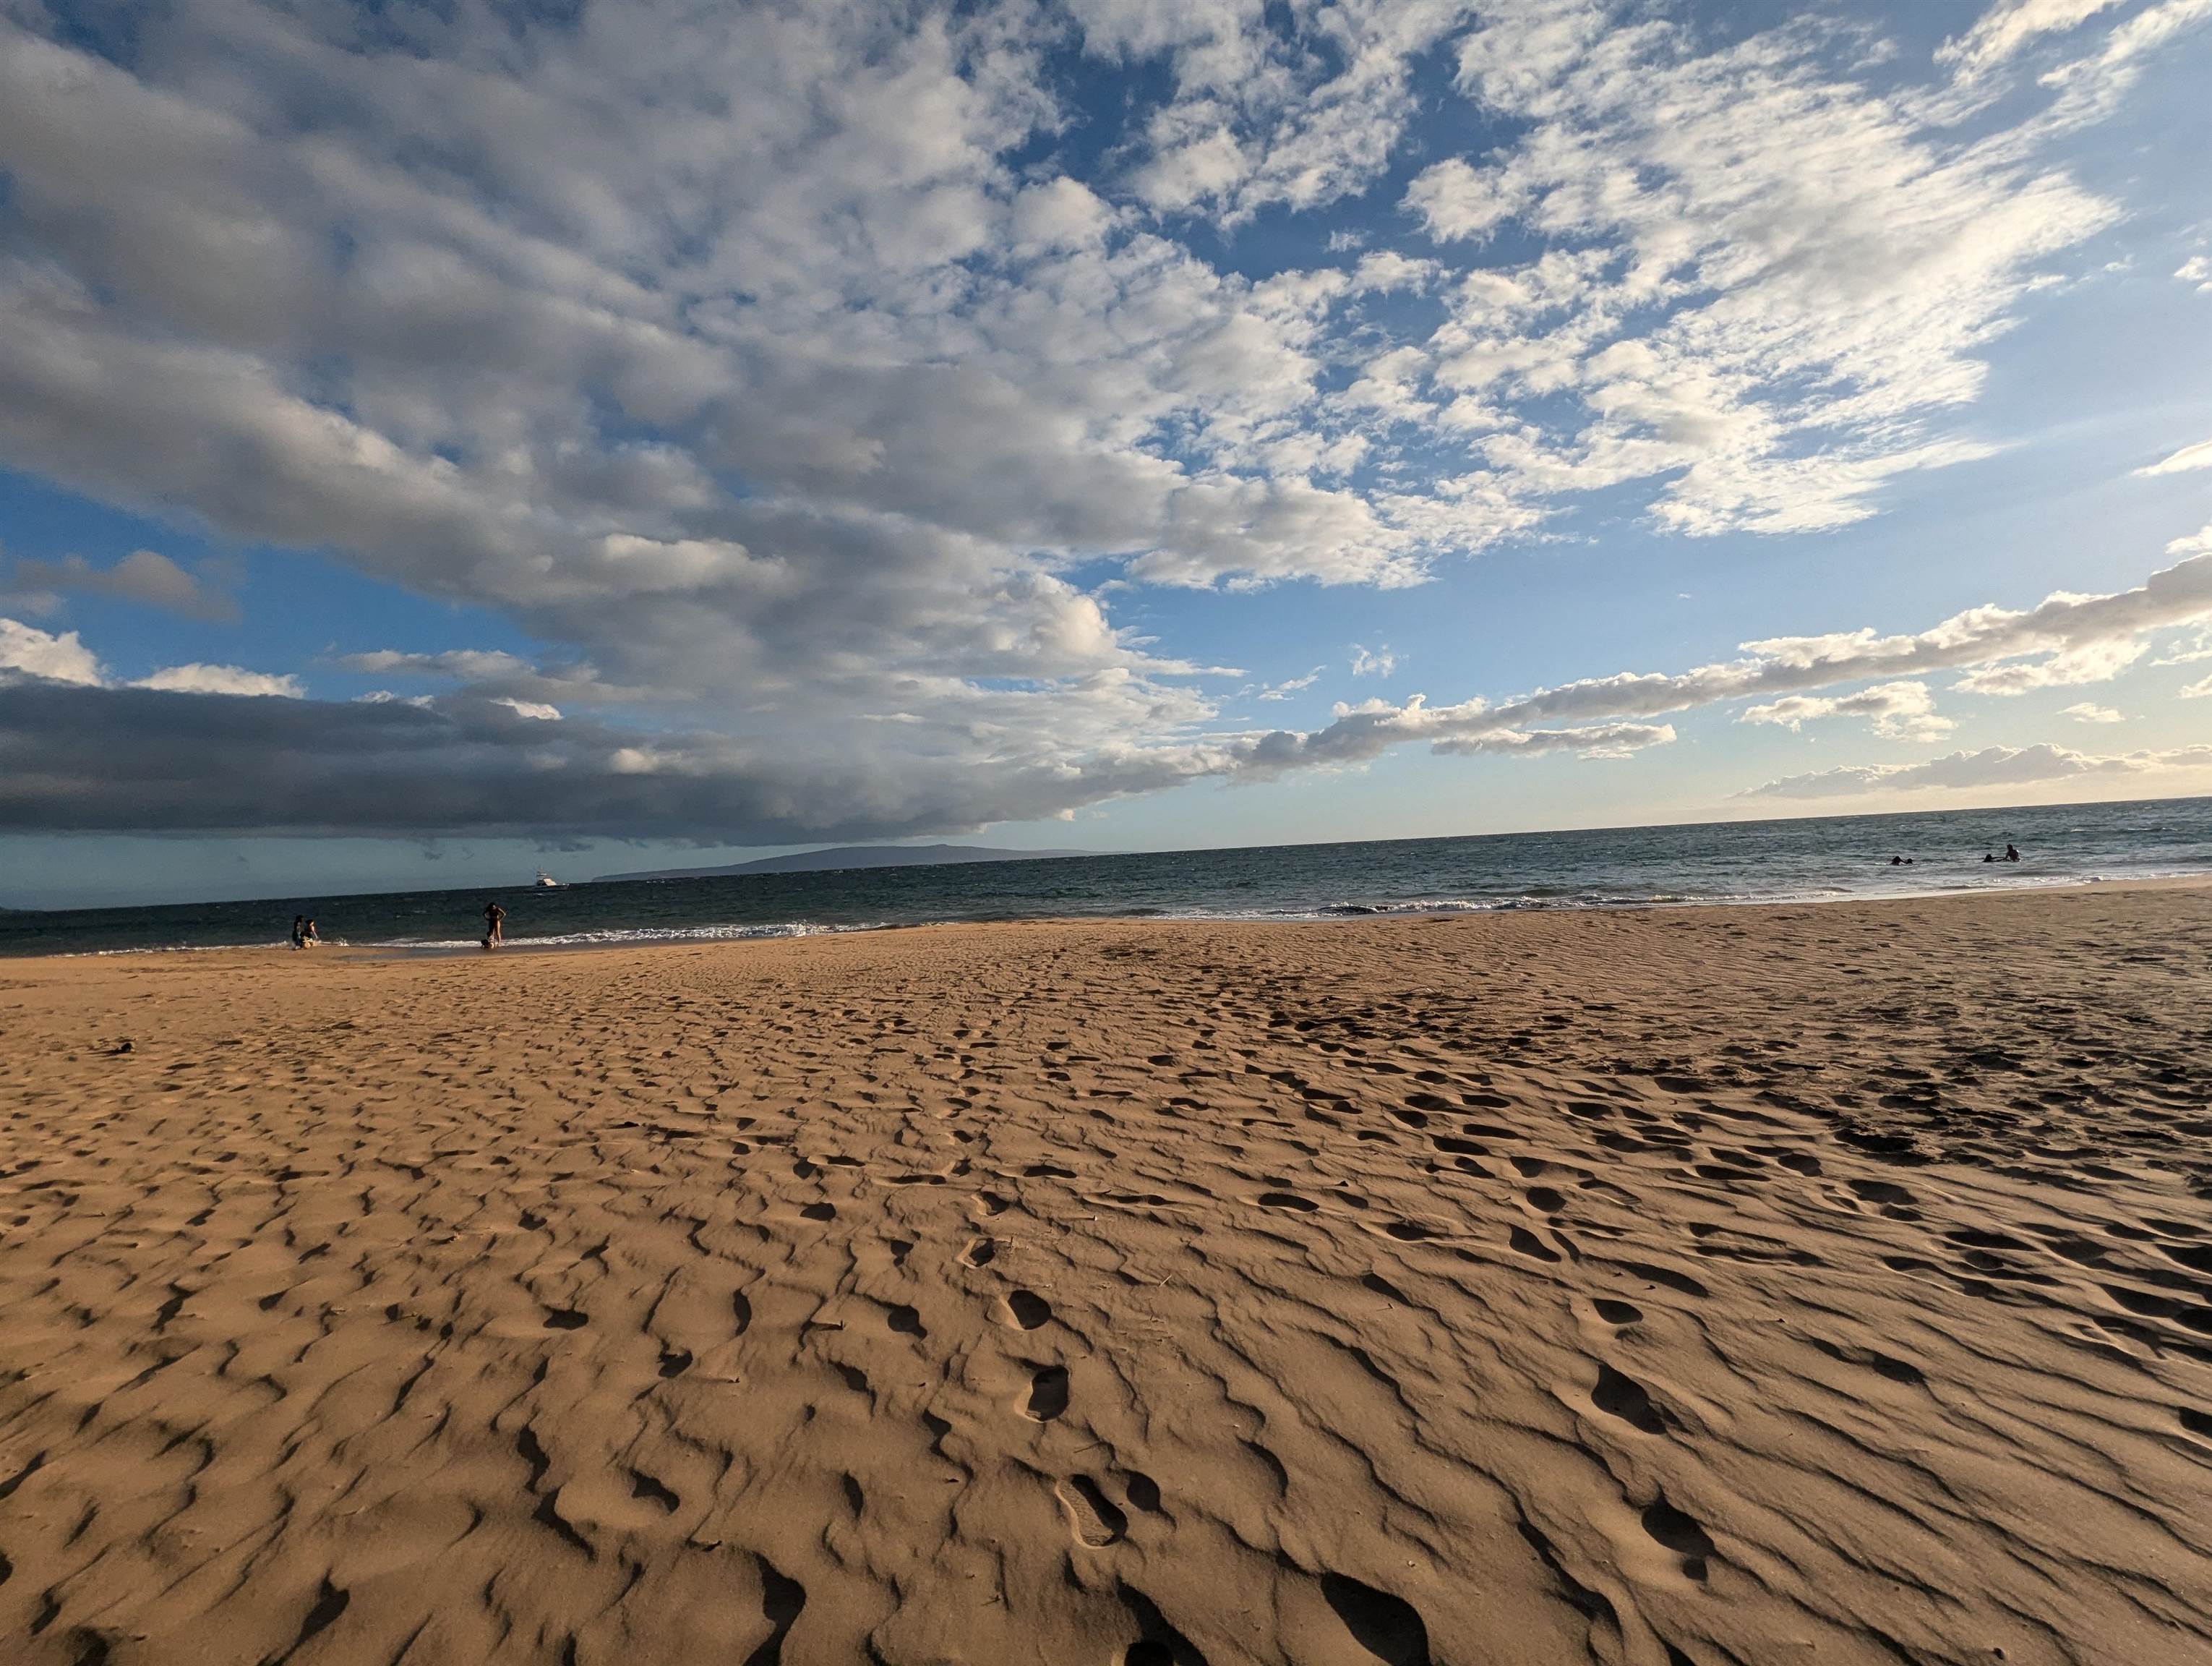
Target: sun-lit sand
[1742, 1287]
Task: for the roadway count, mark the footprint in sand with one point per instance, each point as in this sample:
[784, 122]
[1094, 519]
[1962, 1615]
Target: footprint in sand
[647, 1490]
[1884, 1192]
[1680, 1534]
[1388, 1627]
[1096, 1521]
[1021, 1309]
[1664, 1275]
[1143, 1492]
[1382, 1287]
[1160, 1643]
[1626, 1398]
[781, 1601]
[1047, 1394]
[1529, 1244]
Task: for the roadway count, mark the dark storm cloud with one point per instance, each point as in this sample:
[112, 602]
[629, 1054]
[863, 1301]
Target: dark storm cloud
[80, 758]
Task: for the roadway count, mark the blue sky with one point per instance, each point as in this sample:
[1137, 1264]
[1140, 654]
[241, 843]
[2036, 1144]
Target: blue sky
[437, 442]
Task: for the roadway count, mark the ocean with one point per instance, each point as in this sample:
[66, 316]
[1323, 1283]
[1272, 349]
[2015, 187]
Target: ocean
[1819, 860]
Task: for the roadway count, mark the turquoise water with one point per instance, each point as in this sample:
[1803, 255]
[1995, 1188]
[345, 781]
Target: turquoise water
[1828, 858]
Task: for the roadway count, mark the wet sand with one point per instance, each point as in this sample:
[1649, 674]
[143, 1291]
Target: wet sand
[1759, 1285]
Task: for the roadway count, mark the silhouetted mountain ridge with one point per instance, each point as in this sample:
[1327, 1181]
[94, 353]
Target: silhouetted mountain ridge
[847, 856]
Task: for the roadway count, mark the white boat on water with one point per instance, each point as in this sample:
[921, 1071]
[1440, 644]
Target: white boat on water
[546, 881]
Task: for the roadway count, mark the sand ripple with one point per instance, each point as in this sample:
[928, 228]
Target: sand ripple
[1765, 1286]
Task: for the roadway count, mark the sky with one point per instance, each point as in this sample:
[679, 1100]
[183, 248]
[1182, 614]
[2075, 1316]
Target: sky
[442, 440]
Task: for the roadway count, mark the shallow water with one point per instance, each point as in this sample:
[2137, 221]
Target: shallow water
[1819, 860]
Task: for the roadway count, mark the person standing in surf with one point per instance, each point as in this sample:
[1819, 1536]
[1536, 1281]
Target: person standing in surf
[494, 926]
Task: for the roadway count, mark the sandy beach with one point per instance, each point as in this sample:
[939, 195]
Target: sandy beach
[1739, 1287]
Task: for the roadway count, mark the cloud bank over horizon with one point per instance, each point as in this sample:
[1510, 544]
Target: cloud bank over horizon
[85, 753]
[826, 400]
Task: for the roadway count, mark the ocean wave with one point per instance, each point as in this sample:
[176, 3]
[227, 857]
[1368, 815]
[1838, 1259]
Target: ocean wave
[1544, 898]
[613, 936]
[180, 948]
[1417, 906]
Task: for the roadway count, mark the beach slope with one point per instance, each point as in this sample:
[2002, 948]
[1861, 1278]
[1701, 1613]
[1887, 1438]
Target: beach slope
[1762, 1286]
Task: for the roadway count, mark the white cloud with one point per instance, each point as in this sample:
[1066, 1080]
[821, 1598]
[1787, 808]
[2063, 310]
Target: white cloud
[197, 679]
[1359, 733]
[468, 665]
[2190, 650]
[1380, 662]
[1992, 767]
[536, 710]
[641, 761]
[1385, 272]
[144, 576]
[2073, 633]
[2196, 691]
[1060, 214]
[1760, 288]
[2089, 712]
[500, 675]
[2007, 27]
[2197, 271]
[1259, 117]
[1289, 686]
[2096, 83]
[1899, 711]
[1456, 201]
[2198, 456]
[27, 651]
[2092, 662]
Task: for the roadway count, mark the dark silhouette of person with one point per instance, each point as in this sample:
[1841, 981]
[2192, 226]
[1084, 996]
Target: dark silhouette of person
[494, 925]
[298, 931]
[2011, 854]
[307, 934]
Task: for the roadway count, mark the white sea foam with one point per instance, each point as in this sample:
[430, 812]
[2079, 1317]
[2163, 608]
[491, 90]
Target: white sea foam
[612, 936]
[190, 948]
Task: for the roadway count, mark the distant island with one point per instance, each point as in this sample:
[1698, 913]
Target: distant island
[847, 856]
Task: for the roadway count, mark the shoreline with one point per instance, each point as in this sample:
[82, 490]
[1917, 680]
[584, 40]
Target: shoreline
[1351, 914]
